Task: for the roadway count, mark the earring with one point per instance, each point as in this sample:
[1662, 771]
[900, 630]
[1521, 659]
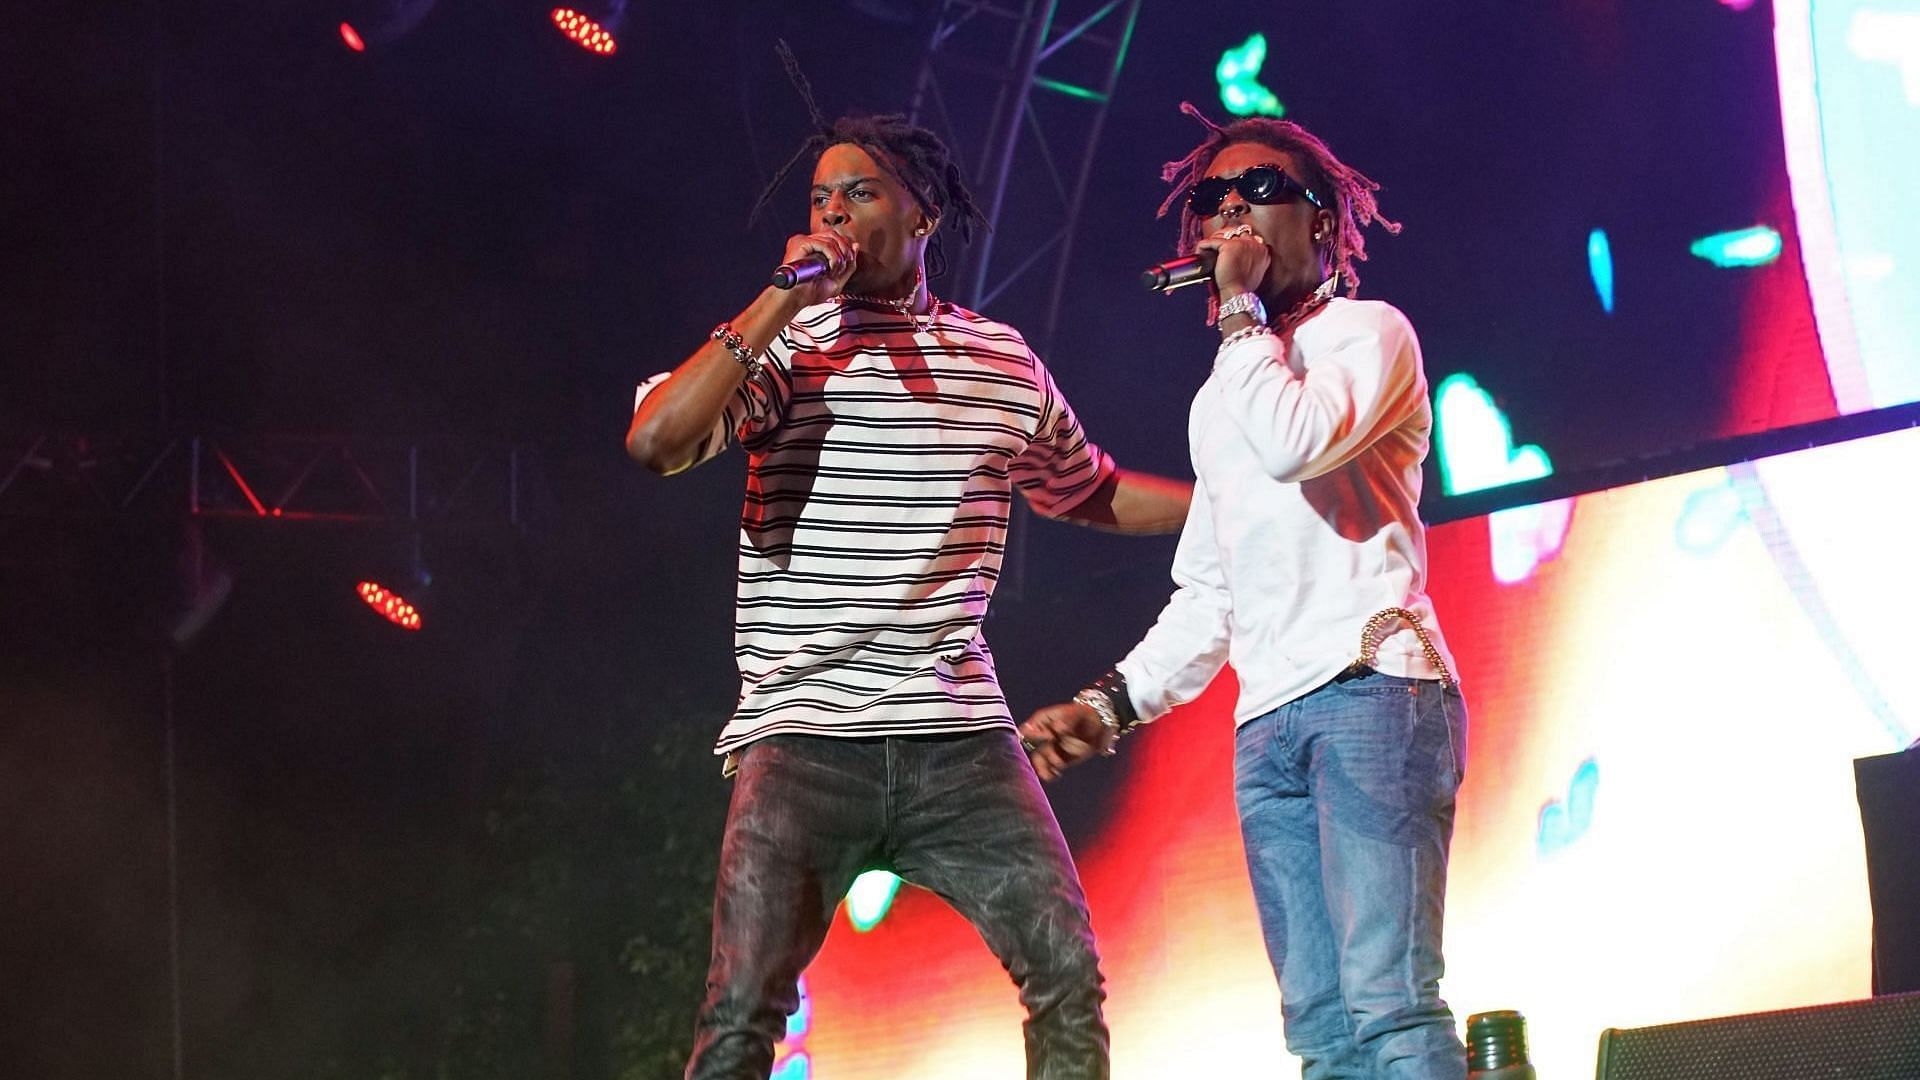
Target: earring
[919, 232]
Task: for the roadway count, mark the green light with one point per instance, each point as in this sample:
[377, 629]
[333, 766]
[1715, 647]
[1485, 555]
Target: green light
[1757, 246]
[869, 898]
[1069, 89]
[1240, 89]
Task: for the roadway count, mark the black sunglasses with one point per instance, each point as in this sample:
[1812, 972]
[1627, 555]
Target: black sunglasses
[1261, 185]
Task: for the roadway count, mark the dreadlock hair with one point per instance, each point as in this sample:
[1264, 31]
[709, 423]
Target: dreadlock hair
[912, 155]
[1344, 191]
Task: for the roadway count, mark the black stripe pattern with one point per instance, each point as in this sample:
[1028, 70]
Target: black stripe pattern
[883, 457]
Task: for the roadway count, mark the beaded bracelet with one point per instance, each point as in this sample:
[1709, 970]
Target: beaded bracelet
[730, 340]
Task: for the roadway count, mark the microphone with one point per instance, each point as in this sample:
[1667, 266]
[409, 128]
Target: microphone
[806, 268]
[1179, 273]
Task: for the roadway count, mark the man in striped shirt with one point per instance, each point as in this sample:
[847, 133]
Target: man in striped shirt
[886, 433]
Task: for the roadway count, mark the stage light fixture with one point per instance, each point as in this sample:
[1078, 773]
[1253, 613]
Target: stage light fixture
[592, 27]
[390, 605]
[367, 24]
[400, 598]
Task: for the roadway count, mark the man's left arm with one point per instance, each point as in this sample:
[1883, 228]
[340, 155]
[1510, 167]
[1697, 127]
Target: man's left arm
[1066, 477]
[1134, 502]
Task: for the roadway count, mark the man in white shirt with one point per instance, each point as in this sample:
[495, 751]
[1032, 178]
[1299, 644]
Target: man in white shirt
[887, 432]
[1303, 563]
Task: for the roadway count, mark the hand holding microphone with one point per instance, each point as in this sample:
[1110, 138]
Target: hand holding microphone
[816, 266]
[1235, 259]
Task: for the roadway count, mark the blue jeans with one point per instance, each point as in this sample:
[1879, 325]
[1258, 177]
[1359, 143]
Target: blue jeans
[961, 815]
[1346, 802]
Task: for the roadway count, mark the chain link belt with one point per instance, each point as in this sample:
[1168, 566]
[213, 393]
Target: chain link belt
[1372, 634]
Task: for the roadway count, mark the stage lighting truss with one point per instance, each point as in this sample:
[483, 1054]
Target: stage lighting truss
[1029, 91]
[265, 477]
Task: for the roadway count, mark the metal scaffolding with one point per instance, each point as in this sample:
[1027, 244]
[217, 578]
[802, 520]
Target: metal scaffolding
[269, 477]
[1020, 92]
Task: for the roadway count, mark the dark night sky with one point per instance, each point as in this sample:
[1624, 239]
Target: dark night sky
[481, 230]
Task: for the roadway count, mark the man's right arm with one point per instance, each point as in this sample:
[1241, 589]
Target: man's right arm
[1176, 660]
[673, 419]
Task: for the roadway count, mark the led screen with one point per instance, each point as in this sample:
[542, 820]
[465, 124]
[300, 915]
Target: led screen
[1658, 822]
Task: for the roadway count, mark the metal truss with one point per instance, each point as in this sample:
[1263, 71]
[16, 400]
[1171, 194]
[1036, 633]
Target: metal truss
[1051, 67]
[265, 477]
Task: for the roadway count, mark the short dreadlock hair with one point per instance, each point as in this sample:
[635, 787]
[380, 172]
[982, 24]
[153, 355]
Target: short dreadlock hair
[912, 155]
[1343, 191]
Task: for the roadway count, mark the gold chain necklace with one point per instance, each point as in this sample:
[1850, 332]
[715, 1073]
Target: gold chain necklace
[1308, 304]
[1372, 634]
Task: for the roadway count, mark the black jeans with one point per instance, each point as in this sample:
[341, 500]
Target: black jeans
[961, 815]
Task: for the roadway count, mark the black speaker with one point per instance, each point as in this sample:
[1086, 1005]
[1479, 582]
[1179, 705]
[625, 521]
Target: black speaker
[1889, 790]
[1875, 1039]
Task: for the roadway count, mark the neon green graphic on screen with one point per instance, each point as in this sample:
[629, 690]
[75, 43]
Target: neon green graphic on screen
[1756, 246]
[1476, 440]
[1240, 89]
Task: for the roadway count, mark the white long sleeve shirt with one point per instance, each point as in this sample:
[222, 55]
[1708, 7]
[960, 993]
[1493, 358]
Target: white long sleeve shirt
[1305, 517]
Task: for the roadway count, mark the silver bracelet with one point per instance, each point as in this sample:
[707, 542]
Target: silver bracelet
[730, 340]
[1245, 303]
[1102, 707]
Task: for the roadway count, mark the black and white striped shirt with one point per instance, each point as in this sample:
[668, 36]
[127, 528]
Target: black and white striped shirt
[883, 458]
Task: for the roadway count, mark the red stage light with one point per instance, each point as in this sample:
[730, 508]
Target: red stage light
[391, 605]
[588, 34]
[352, 38]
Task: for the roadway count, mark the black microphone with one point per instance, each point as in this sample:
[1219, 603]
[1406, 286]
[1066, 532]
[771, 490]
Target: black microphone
[1179, 273]
[805, 268]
